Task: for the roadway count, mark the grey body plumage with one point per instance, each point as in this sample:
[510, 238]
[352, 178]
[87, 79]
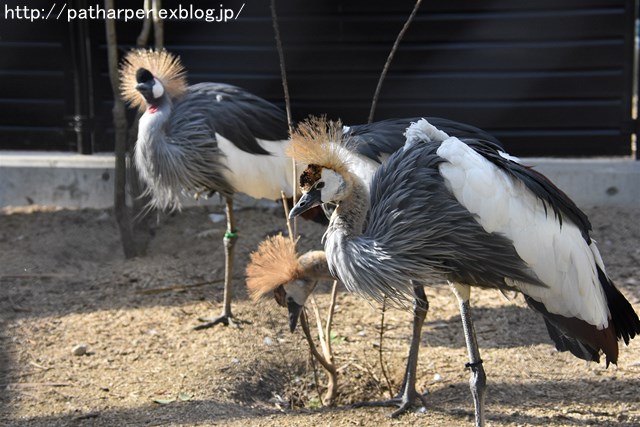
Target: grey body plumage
[203, 139]
[469, 213]
[413, 214]
[377, 139]
[177, 151]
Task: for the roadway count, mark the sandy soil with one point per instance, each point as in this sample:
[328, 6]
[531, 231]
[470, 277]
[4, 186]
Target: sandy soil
[64, 283]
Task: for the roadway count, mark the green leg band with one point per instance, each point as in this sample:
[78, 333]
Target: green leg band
[230, 234]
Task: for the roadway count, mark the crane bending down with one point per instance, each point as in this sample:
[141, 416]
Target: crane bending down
[467, 212]
[276, 266]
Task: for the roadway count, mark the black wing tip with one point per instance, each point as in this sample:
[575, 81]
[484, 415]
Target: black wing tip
[624, 317]
[564, 342]
[582, 339]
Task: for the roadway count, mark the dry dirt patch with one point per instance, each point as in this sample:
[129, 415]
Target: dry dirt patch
[64, 283]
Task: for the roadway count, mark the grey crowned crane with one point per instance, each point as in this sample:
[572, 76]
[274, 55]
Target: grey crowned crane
[471, 214]
[211, 137]
[276, 266]
[204, 138]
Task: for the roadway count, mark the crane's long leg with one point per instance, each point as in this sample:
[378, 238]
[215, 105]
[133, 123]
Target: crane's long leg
[478, 379]
[230, 237]
[408, 396]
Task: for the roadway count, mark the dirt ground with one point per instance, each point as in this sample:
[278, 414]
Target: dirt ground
[64, 283]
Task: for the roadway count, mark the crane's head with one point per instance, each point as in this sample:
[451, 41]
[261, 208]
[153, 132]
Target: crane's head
[319, 185]
[316, 142]
[147, 75]
[275, 266]
[293, 295]
[149, 87]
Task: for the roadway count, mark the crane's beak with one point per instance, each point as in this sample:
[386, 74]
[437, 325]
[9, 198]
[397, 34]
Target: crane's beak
[309, 200]
[146, 90]
[294, 313]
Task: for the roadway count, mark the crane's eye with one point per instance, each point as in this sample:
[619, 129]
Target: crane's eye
[320, 185]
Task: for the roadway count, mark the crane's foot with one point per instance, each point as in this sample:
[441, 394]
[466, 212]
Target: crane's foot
[223, 319]
[404, 401]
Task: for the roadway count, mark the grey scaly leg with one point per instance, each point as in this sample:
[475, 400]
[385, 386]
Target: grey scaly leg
[407, 396]
[478, 379]
[230, 237]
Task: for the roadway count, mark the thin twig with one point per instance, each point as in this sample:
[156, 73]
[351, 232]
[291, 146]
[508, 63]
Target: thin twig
[381, 336]
[283, 69]
[324, 339]
[387, 64]
[286, 216]
[312, 346]
[332, 384]
[287, 100]
[11, 386]
[332, 306]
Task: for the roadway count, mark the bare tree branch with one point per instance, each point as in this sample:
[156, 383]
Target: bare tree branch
[287, 100]
[120, 121]
[332, 306]
[283, 69]
[387, 64]
[330, 368]
[143, 37]
[158, 25]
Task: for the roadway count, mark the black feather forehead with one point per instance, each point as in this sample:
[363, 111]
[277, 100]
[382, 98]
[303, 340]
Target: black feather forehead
[310, 176]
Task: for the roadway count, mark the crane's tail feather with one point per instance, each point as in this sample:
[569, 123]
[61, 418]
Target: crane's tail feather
[624, 318]
[577, 336]
[565, 342]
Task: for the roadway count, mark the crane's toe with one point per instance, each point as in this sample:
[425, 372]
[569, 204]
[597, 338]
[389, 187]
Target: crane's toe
[405, 400]
[223, 319]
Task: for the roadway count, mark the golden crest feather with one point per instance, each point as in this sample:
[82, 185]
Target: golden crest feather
[164, 66]
[316, 141]
[274, 263]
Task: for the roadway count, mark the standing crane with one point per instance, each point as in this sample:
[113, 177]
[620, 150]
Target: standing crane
[473, 215]
[214, 137]
[204, 138]
[275, 265]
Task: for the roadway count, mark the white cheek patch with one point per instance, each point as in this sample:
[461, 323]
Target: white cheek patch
[334, 186]
[158, 89]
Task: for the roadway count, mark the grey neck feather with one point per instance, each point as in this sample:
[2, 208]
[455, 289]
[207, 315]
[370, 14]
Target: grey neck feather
[178, 154]
[315, 263]
[149, 147]
[349, 216]
[342, 244]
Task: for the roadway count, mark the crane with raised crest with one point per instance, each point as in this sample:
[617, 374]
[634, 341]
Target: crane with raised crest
[466, 212]
[214, 137]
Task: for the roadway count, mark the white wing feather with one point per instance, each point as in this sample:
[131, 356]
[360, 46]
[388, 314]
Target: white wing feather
[558, 255]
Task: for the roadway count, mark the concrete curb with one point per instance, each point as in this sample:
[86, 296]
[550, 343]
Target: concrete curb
[77, 181]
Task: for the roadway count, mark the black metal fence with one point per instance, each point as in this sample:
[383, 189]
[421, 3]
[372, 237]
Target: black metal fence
[550, 77]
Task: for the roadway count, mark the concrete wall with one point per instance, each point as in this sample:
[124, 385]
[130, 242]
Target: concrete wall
[77, 181]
